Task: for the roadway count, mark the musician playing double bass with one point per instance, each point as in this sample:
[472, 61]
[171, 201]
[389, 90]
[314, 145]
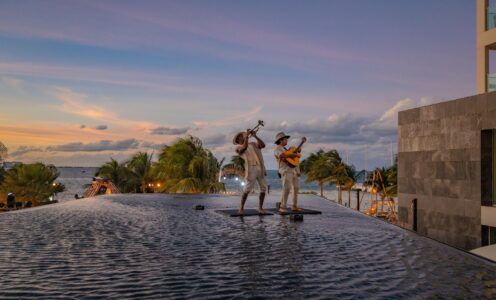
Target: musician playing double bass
[289, 173]
[254, 166]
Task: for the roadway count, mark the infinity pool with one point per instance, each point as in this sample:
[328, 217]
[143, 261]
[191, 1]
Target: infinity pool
[157, 246]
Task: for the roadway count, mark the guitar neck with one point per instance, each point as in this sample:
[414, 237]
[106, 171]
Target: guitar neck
[299, 146]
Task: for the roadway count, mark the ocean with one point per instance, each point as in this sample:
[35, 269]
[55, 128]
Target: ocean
[76, 180]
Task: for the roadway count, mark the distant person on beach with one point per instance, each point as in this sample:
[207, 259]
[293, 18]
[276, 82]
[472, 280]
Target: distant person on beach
[290, 176]
[254, 166]
[10, 201]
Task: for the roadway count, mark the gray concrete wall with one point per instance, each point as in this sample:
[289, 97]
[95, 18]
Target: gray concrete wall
[439, 163]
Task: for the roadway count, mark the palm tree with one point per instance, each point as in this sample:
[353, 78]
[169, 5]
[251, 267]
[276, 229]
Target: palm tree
[392, 179]
[350, 181]
[2, 174]
[236, 167]
[140, 165]
[339, 176]
[319, 166]
[32, 182]
[3, 153]
[118, 173]
[186, 167]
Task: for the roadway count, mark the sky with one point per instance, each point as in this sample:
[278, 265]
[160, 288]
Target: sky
[83, 81]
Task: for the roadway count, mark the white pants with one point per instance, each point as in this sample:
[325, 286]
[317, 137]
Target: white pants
[255, 175]
[290, 181]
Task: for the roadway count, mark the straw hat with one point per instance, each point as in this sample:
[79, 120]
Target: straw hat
[236, 137]
[280, 136]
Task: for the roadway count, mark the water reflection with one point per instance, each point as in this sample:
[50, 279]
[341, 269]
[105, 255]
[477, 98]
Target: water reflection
[157, 246]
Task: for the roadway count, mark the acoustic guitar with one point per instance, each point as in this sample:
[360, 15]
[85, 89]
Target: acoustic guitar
[295, 161]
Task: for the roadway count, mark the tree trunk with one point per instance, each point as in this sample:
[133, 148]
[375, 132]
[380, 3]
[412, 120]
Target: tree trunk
[349, 198]
[321, 189]
[340, 198]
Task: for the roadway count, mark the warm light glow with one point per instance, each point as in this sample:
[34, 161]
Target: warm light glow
[158, 184]
[54, 184]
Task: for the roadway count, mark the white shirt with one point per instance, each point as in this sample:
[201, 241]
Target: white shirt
[283, 166]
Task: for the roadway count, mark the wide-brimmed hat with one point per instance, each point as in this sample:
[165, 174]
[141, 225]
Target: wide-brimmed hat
[280, 136]
[236, 137]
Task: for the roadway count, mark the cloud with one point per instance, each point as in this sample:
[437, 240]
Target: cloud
[215, 140]
[162, 130]
[336, 128]
[335, 124]
[101, 127]
[21, 150]
[104, 145]
[387, 123]
[75, 103]
[11, 82]
[154, 146]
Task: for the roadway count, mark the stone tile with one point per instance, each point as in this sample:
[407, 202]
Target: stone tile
[473, 170]
[428, 187]
[472, 209]
[405, 186]
[440, 155]
[408, 116]
[455, 188]
[439, 169]
[415, 170]
[438, 188]
[481, 102]
[490, 102]
[428, 170]
[462, 225]
[462, 154]
[449, 170]
[472, 242]
[427, 113]
[475, 190]
[489, 119]
[461, 170]
[475, 153]
[466, 106]
[476, 122]
[404, 168]
[450, 108]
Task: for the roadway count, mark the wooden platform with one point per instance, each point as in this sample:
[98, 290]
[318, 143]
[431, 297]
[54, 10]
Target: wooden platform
[247, 213]
[304, 211]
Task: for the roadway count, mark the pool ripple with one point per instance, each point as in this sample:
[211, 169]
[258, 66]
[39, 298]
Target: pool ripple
[157, 246]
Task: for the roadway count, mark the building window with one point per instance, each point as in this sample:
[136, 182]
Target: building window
[491, 72]
[488, 167]
[488, 235]
[490, 14]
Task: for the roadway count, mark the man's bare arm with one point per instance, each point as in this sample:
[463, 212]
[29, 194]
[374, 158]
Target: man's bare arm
[260, 143]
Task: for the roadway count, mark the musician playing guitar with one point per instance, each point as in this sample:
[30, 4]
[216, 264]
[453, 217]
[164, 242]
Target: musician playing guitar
[289, 171]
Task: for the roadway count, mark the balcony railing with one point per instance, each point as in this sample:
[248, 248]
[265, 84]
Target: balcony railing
[491, 82]
[490, 17]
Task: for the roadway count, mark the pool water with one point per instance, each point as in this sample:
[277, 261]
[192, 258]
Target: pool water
[157, 246]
